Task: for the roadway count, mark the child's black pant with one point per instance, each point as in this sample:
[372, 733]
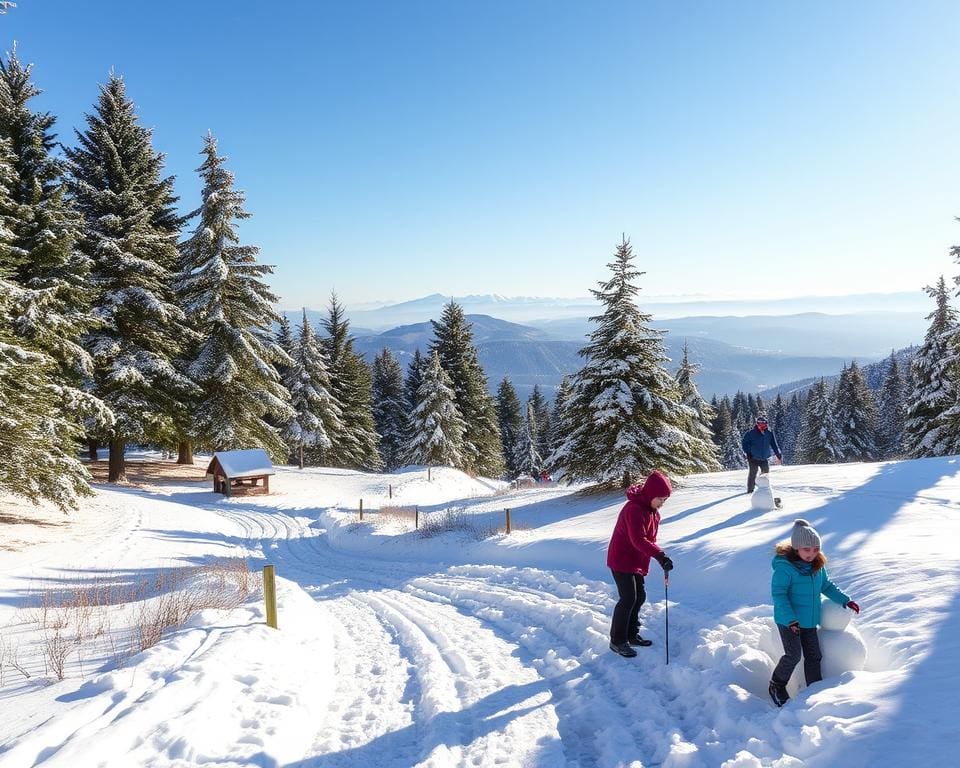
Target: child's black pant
[626, 614]
[807, 643]
[756, 464]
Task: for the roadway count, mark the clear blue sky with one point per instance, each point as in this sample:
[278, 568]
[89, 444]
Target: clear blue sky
[390, 150]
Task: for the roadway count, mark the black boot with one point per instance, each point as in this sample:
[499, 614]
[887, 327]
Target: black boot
[639, 641]
[778, 692]
[623, 649]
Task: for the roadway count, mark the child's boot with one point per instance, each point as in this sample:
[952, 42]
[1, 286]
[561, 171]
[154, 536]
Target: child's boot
[778, 692]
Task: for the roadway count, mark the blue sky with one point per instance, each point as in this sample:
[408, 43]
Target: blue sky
[391, 150]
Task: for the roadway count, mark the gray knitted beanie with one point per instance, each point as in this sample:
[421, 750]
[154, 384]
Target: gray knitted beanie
[804, 535]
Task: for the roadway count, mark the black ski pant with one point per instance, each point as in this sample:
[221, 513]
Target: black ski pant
[626, 613]
[755, 464]
[807, 643]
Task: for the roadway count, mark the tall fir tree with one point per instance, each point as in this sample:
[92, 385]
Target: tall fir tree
[317, 413]
[778, 417]
[510, 422]
[117, 186]
[560, 426]
[453, 342]
[223, 289]
[541, 412]
[351, 385]
[415, 370]
[390, 412]
[527, 459]
[789, 433]
[436, 427]
[935, 381]
[35, 436]
[890, 412]
[625, 407]
[701, 416]
[285, 340]
[856, 415]
[731, 450]
[821, 440]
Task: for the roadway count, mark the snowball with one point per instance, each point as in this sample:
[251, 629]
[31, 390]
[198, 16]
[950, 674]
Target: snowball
[833, 615]
[762, 497]
[843, 651]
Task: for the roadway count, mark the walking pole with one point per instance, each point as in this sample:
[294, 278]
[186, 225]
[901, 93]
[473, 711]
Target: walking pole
[666, 614]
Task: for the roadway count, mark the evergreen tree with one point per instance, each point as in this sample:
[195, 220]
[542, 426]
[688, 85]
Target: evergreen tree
[436, 427]
[790, 431]
[716, 431]
[935, 381]
[625, 407]
[284, 339]
[560, 426]
[856, 415]
[778, 418]
[510, 422]
[821, 440]
[118, 189]
[731, 449]
[702, 415]
[351, 385]
[222, 286]
[741, 413]
[390, 412]
[890, 412]
[415, 370]
[36, 434]
[527, 459]
[453, 342]
[317, 414]
[541, 412]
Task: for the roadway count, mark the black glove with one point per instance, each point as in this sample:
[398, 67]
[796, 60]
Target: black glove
[794, 626]
[665, 562]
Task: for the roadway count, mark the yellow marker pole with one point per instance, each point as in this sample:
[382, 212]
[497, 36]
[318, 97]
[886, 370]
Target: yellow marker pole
[270, 595]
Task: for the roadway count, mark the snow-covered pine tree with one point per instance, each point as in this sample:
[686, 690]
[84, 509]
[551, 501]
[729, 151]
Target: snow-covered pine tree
[318, 415]
[715, 427]
[731, 450]
[777, 417]
[789, 433]
[560, 427]
[222, 287]
[453, 341]
[761, 407]
[856, 415]
[510, 422]
[541, 412]
[351, 385]
[625, 407]
[527, 459]
[741, 413]
[935, 381]
[285, 340]
[390, 412]
[116, 185]
[699, 424]
[436, 427]
[821, 440]
[415, 369]
[35, 436]
[890, 412]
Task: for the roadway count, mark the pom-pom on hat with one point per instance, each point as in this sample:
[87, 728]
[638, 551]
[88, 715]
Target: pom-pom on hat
[804, 535]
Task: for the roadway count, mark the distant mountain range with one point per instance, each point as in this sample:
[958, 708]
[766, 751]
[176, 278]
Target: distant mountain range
[750, 353]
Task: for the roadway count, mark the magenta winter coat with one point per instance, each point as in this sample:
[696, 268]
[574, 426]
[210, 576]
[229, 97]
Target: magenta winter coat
[634, 539]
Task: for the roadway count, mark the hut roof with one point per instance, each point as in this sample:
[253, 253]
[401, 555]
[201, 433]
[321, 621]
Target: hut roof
[252, 462]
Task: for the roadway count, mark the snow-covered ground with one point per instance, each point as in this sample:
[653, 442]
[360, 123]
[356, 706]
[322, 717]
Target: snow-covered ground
[471, 647]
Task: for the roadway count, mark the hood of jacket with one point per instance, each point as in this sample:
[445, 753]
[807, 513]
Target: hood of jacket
[656, 485]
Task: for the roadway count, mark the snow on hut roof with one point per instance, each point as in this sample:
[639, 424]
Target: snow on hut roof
[252, 462]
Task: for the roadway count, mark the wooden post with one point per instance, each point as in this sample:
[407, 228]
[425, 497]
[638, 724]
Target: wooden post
[361, 509]
[508, 519]
[270, 595]
[416, 517]
[428, 474]
[390, 490]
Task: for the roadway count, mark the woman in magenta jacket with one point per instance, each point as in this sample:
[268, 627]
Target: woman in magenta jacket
[633, 543]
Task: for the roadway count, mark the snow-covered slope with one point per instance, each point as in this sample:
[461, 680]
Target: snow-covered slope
[471, 647]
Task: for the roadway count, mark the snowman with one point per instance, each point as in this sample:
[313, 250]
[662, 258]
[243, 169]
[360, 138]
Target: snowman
[763, 497]
[842, 646]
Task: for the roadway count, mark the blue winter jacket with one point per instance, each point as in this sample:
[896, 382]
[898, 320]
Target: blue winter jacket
[796, 592]
[760, 445]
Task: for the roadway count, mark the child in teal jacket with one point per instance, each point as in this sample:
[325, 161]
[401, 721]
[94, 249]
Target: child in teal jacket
[799, 578]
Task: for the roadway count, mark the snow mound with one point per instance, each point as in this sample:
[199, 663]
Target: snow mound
[762, 497]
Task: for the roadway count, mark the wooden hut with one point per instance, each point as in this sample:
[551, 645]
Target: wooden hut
[241, 473]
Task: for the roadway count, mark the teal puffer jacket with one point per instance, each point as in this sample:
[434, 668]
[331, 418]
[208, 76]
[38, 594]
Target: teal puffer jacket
[796, 592]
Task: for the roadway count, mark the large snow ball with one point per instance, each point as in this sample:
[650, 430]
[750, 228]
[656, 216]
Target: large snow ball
[833, 615]
[843, 651]
[762, 497]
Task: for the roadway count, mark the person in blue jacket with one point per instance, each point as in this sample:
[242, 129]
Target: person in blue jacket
[759, 444]
[799, 578]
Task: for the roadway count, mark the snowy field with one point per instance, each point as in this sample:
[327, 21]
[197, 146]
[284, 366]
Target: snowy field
[470, 647]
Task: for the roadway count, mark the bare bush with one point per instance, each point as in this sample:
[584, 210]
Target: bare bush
[452, 519]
